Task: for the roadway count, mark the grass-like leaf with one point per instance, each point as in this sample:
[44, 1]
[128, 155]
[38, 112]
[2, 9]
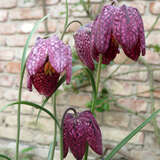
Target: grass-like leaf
[4, 157]
[132, 134]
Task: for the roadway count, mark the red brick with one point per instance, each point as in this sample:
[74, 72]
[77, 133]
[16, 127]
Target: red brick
[52, 25]
[153, 39]
[8, 3]
[115, 119]
[115, 134]
[133, 76]
[148, 21]
[3, 15]
[151, 57]
[50, 2]
[13, 67]
[143, 90]
[26, 13]
[2, 40]
[147, 155]
[136, 105]
[6, 80]
[7, 28]
[6, 53]
[155, 7]
[19, 40]
[28, 3]
[11, 94]
[120, 87]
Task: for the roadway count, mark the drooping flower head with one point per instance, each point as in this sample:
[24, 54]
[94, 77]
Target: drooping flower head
[113, 27]
[118, 26]
[82, 43]
[80, 130]
[47, 59]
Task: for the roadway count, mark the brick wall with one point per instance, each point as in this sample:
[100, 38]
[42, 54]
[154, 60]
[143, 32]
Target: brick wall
[17, 18]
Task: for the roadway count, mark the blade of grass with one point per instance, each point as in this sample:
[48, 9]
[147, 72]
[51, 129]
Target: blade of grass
[132, 134]
[23, 62]
[5, 157]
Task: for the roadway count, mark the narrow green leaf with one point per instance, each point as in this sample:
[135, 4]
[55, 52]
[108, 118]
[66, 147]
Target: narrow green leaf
[50, 151]
[5, 157]
[133, 133]
[27, 149]
[37, 107]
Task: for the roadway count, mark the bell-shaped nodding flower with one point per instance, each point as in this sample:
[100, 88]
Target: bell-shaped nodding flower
[80, 130]
[47, 59]
[117, 26]
[82, 43]
[114, 26]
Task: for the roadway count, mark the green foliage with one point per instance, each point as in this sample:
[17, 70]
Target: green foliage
[103, 101]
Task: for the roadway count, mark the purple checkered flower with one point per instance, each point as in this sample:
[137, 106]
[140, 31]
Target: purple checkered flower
[82, 43]
[117, 26]
[47, 59]
[80, 130]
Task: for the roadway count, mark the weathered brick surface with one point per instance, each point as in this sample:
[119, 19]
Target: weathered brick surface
[8, 4]
[3, 15]
[17, 18]
[25, 13]
[114, 134]
[155, 7]
[116, 119]
[13, 67]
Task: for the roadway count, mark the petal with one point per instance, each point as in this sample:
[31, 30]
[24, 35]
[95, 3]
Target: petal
[77, 137]
[59, 54]
[94, 137]
[37, 56]
[45, 84]
[83, 45]
[29, 82]
[65, 135]
[127, 30]
[110, 53]
[69, 73]
[101, 30]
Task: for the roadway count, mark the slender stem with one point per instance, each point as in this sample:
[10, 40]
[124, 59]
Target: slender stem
[154, 121]
[19, 114]
[66, 20]
[98, 73]
[86, 153]
[44, 14]
[152, 27]
[55, 126]
[95, 95]
[66, 27]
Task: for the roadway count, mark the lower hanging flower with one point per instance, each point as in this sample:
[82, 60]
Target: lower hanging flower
[47, 59]
[78, 131]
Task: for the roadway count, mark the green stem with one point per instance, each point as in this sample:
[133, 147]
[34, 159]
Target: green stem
[66, 20]
[66, 27]
[98, 73]
[19, 114]
[55, 126]
[95, 95]
[4, 156]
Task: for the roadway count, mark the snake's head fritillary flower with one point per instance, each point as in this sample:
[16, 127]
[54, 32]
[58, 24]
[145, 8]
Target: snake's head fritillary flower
[47, 59]
[80, 130]
[117, 26]
[82, 43]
